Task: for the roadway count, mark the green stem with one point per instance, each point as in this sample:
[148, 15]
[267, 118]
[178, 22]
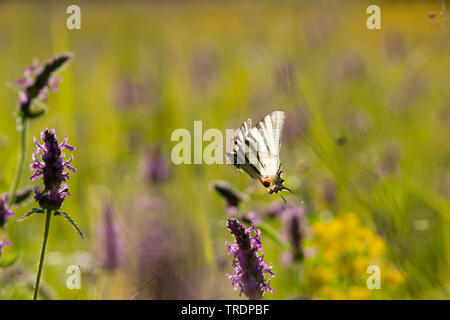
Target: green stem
[20, 160]
[41, 259]
[267, 230]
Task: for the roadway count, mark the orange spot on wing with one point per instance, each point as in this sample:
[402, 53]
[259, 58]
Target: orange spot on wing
[268, 180]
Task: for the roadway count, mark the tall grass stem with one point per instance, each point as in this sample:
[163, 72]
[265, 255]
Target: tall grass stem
[20, 159]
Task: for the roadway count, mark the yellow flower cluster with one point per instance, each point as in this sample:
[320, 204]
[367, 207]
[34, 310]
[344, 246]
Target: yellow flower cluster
[345, 249]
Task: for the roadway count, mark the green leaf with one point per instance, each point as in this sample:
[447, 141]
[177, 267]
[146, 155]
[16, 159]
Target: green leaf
[36, 114]
[68, 218]
[8, 259]
[29, 214]
[270, 232]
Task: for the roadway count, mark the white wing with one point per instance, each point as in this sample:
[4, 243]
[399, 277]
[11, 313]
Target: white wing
[237, 157]
[265, 141]
[256, 150]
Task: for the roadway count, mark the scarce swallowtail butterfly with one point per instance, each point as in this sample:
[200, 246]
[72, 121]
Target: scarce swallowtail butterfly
[256, 151]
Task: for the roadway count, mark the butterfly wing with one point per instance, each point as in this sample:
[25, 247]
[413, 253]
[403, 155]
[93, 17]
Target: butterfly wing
[240, 155]
[265, 143]
[237, 156]
[256, 150]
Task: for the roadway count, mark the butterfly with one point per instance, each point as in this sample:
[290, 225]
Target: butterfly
[256, 151]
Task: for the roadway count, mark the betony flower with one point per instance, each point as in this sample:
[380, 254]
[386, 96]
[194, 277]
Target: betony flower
[329, 189]
[162, 259]
[38, 81]
[155, 166]
[296, 124]
[294, 221]
[53, 169]
[204, 68]
[285, 76]
[52, 199]
[252, 217]
[248, 261]
[295, 228]
[5, 211]
[111, 255]
[231, 196]
[130, 93]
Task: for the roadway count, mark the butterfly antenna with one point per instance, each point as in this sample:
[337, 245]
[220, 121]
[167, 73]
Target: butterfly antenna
[286, 188]
[283, 198]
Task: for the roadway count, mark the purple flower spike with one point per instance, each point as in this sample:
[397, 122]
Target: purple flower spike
[231, 195]
[155, 166]
[249, 266]
[38, 81]
[5, 211]
[52, 199]
[53, 165]
[53, 168]
[111, 251]
[295, 226]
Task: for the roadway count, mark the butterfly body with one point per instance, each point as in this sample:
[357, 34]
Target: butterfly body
[256, 151]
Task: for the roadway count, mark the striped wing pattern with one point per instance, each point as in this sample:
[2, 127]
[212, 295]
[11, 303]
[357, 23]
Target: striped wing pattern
[256, 150]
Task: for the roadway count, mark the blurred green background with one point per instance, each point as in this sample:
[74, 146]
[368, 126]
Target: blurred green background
[366, 143]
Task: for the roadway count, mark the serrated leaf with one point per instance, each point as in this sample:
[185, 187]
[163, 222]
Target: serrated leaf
[69, 218]
[29, 214]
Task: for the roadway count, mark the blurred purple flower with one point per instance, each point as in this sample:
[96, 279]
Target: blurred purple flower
[318, 26]
[276, 210]
[285, 76]
[111, 249]
[249, 266]
[53, 169]
[155, 166]
[296, 124]
[389, 161]
[5, 211]
[38, 81]
[252, 218]
[231, 195]
[130, 93]
[145, 203]
[412, 88]
[295, 227]
[358, 121]
[204, 67]
[347, 66]
[4, 243]
[394, 46]
[329, 191]
[161, 262]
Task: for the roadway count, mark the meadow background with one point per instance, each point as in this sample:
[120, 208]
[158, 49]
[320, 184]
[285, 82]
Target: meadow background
[366, 144]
